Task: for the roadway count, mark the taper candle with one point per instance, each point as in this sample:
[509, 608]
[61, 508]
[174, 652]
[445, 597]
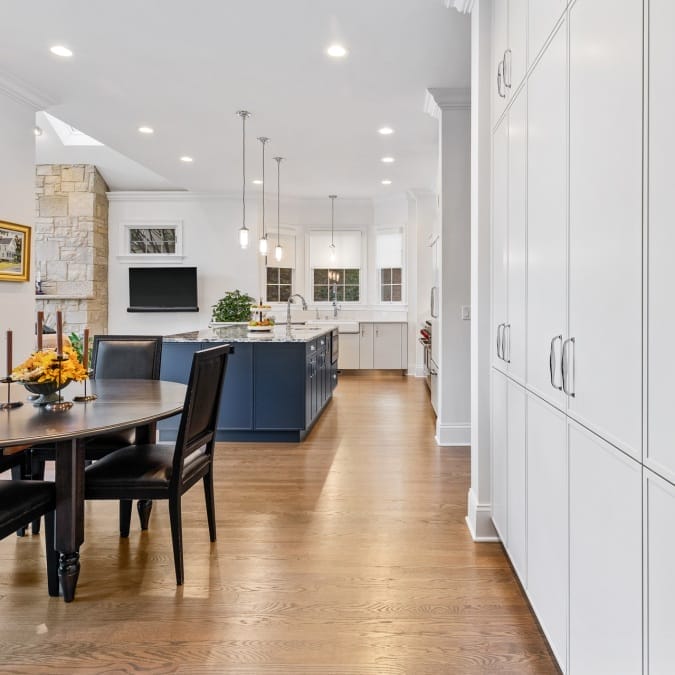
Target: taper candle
[85, 349]
[40, 328]
[9, 353]
[59, 333]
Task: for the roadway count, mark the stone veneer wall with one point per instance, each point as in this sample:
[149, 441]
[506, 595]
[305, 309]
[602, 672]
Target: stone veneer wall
[71, 245]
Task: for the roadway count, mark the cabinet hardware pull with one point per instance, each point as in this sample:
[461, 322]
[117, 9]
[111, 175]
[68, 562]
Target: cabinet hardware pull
[507, 342]
[499, 341]
[507, 68]
[500, 76]
[566, 368]
[551, 362]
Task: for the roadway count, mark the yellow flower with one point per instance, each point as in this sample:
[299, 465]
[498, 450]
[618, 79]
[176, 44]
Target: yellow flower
[43, 367]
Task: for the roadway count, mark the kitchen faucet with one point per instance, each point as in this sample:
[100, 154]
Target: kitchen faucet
[288, 306]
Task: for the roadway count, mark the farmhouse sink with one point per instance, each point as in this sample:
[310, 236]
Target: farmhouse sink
[342, 326]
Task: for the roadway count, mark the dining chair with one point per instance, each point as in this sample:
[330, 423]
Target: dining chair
[22, 501]
[16, 459]
[121, 357]
[166, 471]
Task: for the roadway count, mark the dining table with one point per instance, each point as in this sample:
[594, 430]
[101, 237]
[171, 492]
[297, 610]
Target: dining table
[119, 405]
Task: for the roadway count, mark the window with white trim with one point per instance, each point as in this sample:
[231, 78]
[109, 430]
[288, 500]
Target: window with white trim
[279, 274]
[389, 262]
[335, 274]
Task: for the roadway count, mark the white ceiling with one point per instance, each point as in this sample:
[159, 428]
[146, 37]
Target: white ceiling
[184, 68]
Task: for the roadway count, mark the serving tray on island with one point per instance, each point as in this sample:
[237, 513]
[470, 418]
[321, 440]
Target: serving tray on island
[225, 324]
[258, 329]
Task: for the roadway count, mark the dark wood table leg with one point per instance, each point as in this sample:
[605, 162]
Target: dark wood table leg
[69, 533]
[145, 434]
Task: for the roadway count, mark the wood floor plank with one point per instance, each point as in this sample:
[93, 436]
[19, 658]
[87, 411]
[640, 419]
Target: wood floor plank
[344, 554]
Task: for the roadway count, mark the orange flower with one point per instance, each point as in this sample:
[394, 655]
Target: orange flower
[43, 367]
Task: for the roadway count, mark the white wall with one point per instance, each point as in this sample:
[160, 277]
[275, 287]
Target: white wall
[17, 205]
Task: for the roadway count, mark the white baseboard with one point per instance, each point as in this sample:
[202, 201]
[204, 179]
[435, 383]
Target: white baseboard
[453, 434]
[479, 520]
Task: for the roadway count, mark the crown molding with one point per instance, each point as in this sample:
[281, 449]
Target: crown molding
[438, 99]
[189, 196]
[462, 6]
[23, 93]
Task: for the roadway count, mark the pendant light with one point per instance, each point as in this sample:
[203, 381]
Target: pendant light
[243, 231]
[331, 248]
[262, 242]
[278, 249]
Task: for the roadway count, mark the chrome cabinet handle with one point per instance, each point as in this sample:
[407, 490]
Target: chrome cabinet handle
[507, 68]
[434, 309]
[499, 340]
[566, 368]
[507, 342]
[552, 361]
[500, 79]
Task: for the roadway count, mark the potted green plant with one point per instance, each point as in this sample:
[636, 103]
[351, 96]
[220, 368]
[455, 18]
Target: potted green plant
[233, 307]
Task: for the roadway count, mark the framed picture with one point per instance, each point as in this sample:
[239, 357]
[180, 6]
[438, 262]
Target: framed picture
[14, 252]
[155, 241]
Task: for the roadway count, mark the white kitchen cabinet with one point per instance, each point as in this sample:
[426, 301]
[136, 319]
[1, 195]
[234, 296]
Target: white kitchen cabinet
[499, 455]
[348, 357]
[500, 19]
[547, 222]
[516, 479]
[547, 502]
[604, 350]
[605, 557]
[660, 557]
[366, 345]
[500, 233]
[516, 327]
[542, 18]
[660, 453]
[383, 345]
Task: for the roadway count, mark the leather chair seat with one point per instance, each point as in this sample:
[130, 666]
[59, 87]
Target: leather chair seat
[141, 467]
[20, 500]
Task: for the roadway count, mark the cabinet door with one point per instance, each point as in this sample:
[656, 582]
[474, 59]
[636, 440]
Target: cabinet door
[348, 358]
[543, 15]
[516, 61]
[547, 221]
[387, 345]
[516, 326]
[499, 455]
[605, 557]
[500, 18]
[660, 543]
[366, 346]
[547, 581]
[500, 206]
[605, 231]
[516, 483]
[661, 450]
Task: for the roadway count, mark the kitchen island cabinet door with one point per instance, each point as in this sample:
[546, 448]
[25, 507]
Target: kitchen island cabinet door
[176, 364]
[236, 403]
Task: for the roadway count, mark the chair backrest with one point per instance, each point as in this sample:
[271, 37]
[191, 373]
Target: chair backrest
[202, 402]
[127, 357]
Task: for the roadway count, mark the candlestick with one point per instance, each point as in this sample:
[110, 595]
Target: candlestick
[59, 333]
[40, 329]
[8, 380]
[85, 349]
[9, 353]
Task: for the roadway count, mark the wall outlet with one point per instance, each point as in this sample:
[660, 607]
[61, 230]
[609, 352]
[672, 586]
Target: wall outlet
[466, 312]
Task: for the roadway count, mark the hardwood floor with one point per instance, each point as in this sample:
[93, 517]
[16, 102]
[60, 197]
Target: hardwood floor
[345, 554]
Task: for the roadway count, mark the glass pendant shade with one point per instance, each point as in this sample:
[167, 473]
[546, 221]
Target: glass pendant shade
[331, 252]
[278, 252]
[262, 245]
[243, 237]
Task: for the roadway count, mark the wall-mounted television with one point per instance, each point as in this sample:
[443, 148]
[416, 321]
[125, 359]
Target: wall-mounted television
[163, 289]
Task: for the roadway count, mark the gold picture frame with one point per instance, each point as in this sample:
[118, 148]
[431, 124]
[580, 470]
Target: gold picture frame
[14, 252]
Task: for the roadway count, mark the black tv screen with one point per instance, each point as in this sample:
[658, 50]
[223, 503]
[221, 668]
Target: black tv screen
[163, 289]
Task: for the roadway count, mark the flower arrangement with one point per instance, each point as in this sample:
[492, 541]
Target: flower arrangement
[42, 367]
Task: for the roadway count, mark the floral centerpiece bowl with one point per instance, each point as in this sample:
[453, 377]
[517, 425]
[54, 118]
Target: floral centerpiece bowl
[42, 373]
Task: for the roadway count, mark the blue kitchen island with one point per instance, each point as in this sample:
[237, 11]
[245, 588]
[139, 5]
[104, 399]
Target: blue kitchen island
[277, 383]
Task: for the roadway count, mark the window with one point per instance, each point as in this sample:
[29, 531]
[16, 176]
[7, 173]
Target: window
[279, 285]
[342, 285]
[151, 242]
[390, 284]
[389, 259]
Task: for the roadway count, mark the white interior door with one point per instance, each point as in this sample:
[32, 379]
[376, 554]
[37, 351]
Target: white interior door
[660, 454]
[516, 482]
[516, 327]
[499, 454]
[500, 209]
[547, 580]
[605, 230]
[605, 557]
[547, 221]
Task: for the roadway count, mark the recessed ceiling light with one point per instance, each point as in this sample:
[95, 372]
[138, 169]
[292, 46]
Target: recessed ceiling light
[185, 158]
[257, 181]
[60, 50]
[146, 130]
[386, 182]
[388, 160]
[385, 131]
[336, 51]
[37, 131]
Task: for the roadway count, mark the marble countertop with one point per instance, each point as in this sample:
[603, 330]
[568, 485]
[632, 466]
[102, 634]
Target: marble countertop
[279, 333]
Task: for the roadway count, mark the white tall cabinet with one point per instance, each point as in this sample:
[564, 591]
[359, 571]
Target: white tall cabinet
[583, 244]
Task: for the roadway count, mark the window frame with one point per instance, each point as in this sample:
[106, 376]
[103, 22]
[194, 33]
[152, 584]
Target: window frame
[125, 250]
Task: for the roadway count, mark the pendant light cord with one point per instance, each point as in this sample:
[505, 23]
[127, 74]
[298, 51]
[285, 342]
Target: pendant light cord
[243, 114]
[278, 160]
[332, 218]
[263, 140]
